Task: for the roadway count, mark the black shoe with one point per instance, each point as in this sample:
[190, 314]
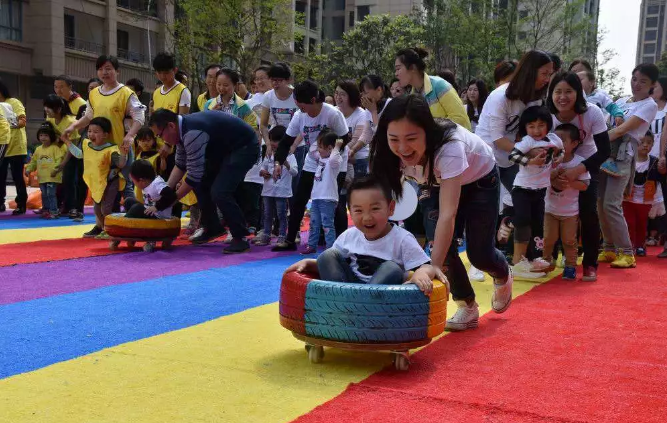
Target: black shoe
[237, 246]
[206, 236]
[3, 207]
[78, 218]
[641, 252]
[285, 246]
[17, 212]
[93, 232]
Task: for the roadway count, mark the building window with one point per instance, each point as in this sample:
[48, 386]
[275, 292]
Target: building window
[339, 5]
[652, 22]
[122, 40]
[650, 35]
[337, 27]
[11, 20]
[362, 12]
[523, 14]
[653, 10]
[70, 33]
[648, 59]
[649, 48]
[350, 22]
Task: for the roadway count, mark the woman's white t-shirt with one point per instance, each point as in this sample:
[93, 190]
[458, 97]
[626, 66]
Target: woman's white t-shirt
[645, 110]
[464, 154]
[365, 256]
[566, 202]
[534, 176]
[656, 128]
[281, 112]
[500, 119]
[590, 123]
[310, 127]
[361, 117]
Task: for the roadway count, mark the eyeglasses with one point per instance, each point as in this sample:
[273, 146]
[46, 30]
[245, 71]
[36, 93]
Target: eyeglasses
[161, 132]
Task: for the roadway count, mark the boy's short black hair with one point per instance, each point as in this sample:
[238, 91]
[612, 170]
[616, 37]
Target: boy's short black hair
[648, 69]
[649, 134]
[163, 62]
[280, 70]
[142, 169]
[327, 138]
[369, 182]
[533, 114]
[571, 130]
[48, 129]
[144, 133]
[277, 133]
[136, 84]
[102, 122]
[107, 58]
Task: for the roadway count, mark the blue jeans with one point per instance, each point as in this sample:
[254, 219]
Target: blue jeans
[360, 167]
[332, 266]
[322, 214]
[300, 155]
[478, 214]
[273, 206]
[49, 202]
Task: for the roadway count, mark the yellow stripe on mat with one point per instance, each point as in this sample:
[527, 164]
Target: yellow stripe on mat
[239, 368]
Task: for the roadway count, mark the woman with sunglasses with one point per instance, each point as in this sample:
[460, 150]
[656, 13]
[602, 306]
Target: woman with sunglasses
[567, 103]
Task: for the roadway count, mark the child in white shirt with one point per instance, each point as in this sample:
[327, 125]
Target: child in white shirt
[561, 217]
[324, 196]
[374, 251]
[530, 187]
[158, 196]
[276, 192]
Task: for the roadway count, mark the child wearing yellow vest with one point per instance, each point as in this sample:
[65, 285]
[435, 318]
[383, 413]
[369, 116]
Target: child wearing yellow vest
[102, 162]
[45, 161]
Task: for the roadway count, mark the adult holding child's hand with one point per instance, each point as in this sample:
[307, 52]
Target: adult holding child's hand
[457, 174]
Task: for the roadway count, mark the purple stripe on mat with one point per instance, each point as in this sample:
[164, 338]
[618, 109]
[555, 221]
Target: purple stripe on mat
[88, 210]
[31, 281]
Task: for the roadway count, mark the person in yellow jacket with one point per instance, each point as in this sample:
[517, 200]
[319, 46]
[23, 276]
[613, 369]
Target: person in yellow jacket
[102, 162]
[15, 153]
[113, 101]
[45, 161]
[442, 98]
[211, 91]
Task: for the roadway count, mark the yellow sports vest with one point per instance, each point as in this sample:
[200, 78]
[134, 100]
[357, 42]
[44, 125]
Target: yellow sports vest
[96, 167]
[170, 100]
[18, 144]
[112, 107]
[65, 122]
[201, 100]
[76, 104]
[190, 198]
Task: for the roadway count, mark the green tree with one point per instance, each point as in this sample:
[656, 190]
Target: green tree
[662, 64]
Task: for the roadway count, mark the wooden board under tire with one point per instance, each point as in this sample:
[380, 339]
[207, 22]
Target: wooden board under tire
[401, 346]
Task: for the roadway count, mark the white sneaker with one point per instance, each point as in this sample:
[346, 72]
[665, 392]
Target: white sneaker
[199, 232]
[522, 270]
[228, 240]
[539, 265]
[466, 317]
[475, 274]
[502, 294]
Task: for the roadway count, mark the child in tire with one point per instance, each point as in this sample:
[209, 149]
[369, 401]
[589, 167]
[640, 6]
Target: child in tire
[158, 196]
[374, 251]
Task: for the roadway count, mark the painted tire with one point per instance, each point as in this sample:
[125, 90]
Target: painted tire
[360, 313]
[119, 226]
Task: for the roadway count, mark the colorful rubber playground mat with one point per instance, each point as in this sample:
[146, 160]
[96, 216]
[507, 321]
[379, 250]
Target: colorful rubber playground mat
[190, 335]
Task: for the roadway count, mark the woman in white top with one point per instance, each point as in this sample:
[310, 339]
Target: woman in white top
[499, 121]
[348, 101]
[457, 173]
[567, 104]
[477, 94]
[659, 95]
[373, 97]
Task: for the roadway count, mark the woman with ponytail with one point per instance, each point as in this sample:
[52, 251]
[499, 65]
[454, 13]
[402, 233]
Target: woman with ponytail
[441, 97]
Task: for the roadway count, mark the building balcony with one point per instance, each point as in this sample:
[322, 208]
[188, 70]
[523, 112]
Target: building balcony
[144, 7]
[133, 56]
[84, 45]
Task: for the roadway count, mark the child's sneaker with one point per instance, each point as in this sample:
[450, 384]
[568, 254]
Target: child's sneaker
[522, 270]
[73, 214]
[606, 256]
[475, 274]
[308, 250]
[262, 240]
[651, 242]
[624, 261]
[78, 218]
[93, 232]
[570, 273]
[466, 317]
[280, 240]
[50, 216]
[103, 235]
[502, 293]
[37, 211]
[609, 167]
[237, 246]
[540, 265]
[641, 252]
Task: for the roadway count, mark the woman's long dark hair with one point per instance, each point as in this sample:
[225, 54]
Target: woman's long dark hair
[384, 164]
[522, 85]
[571, 78]
[483, 94]
[54, 102]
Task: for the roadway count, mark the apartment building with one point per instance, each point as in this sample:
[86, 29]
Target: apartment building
[41, 39]
[652, 31]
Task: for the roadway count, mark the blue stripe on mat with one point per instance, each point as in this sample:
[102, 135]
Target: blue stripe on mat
[37, 222]
[41, 332]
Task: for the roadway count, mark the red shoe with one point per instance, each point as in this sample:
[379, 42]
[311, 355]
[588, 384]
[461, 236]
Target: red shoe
[308, 250]
[590, 274]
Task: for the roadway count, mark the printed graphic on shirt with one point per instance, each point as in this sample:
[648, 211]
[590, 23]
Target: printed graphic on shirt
[308, 132]
[320, 170]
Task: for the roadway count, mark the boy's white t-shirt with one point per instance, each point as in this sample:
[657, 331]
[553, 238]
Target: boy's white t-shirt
[533, 176]
[566, 202]
[282, 188]
[281, 112]
[600, 99]
[364, 118]
[656, 128]
[500, 118]
[464, 154]
[645, 109]
[592, 123]
[152, 195]
[365, 256]
[325, 184]
[310, 127]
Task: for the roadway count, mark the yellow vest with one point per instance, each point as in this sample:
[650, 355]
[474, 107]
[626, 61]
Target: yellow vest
[76, 104]
[18, 144]
[170, 100]
[112, 107]
[96, 167]
[66, 121]
[45, 160]
[190, 198]
[201, 100]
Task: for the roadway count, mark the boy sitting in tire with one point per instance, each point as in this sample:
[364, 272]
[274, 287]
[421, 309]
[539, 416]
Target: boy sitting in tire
[374, 251]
